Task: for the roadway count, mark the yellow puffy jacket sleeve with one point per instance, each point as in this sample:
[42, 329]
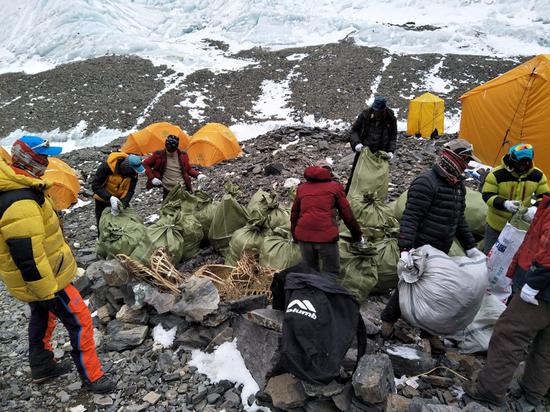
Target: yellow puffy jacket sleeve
[22, 228]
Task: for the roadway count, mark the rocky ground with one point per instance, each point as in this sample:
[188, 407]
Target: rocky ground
[330, 82]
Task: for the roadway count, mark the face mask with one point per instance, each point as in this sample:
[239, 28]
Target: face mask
[522, 166]
[25, 159]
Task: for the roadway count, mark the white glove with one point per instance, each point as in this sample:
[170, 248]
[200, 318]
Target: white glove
[512, 205]
[201, 176]
[530, 214]
[474, 252]
[358, 147]
[361, 242]
[116, 205]
[390, 154]
[406, 258]
[156, 182]
[528, 294]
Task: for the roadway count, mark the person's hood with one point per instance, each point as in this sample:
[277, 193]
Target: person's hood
[114, 158]
[9, 180]
[317, 174]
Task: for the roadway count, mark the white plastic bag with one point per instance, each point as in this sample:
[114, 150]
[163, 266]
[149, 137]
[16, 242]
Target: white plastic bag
[441, 294]
[476, 336]
[499, 259]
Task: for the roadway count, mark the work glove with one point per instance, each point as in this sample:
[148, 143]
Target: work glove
[358, 147]
[512, 205]
[156, 182]
[474, 252]
[361, 242]
[201, 176]
[528, 294]
[530, 213]
[116, 205]
[390, 154]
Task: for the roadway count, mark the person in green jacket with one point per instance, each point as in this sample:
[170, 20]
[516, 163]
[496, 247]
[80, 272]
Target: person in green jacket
[509, 186]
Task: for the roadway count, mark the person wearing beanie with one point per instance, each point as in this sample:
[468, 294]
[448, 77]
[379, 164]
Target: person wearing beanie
[115, 182]
[434, 215]
[514, 183]
[375, 128]
[170, 167]
[38, 267]
[313, 219]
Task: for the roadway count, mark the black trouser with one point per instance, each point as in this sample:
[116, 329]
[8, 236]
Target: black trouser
[392, 311]
[99, 208]
[323, 257]
[491, 237]
[355, 160]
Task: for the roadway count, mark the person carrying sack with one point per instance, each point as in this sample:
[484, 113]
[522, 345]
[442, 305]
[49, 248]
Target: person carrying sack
[170, 167]
[115, 182]
[38, 267]
[509, 186]
[375, 128]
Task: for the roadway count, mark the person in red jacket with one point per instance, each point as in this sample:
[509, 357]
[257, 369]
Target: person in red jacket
[314, 222]
[170, 167]
[524, 324]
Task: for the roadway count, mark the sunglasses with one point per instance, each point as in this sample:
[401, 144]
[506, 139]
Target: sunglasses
[45, 143]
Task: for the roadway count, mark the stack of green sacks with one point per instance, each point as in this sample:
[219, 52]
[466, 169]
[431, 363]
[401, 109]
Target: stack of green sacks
[279, 251]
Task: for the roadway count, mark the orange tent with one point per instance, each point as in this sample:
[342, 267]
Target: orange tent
[5, 155]
[66, 186]
[152, 138]
[513, 108]
[213, 143]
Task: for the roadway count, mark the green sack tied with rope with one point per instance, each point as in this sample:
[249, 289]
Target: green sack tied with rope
[249, 238]
[358, 269]
[267, 204]
[371, 175]
[279, 251]
[228, 216]
[386, 265]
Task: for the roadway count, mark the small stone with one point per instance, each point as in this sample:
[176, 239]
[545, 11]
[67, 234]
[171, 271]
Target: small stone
[440, 381]
[103, 314]
[268, 318]
[63, 396]
[409, 361]
[152, 397]
[439, 408]
[248, 303]
[75, 386]
[103, 400]
[343, 399]
[322, 391]
[130, 336]
[129, 315]
[475, 407]
[397, 403]
[320, 405]
[171, 394]
[373, 379]
[213, 398]
[286, 392]
[409, 392]
[77, 408]
[232, 398]
[199, 298]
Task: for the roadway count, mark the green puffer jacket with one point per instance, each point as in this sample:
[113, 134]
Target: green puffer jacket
[501, 185]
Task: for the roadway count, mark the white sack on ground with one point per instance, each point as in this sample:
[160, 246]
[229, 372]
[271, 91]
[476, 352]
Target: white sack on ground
[442, 294]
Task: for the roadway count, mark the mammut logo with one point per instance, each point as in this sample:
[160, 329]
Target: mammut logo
[302, 307]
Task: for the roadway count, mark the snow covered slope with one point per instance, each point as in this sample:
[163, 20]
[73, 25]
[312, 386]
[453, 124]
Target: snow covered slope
[45, 33]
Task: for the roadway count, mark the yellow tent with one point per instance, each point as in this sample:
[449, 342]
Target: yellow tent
[66, 186]
[152, 138]
[5, 155]
[426, 114]
[513, 108]
[211, 144]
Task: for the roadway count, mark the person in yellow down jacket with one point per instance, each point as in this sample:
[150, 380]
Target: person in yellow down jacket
[509, 186]
[115, 182]
[37, 266]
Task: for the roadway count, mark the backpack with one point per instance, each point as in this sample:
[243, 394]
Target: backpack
[321, 320]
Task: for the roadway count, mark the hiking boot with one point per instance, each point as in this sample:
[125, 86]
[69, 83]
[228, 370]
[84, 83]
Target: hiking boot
[386, 330]
[102, 385]
[57, 369]
[472, 390]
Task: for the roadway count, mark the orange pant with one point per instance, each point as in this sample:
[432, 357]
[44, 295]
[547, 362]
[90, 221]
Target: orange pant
[71, 310]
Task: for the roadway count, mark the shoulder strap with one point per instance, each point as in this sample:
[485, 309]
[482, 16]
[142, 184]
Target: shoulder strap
[11, 196]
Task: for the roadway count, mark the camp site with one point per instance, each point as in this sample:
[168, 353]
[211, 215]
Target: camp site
[274, 206]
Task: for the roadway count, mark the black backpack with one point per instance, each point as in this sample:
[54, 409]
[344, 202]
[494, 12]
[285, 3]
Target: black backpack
[320, 322]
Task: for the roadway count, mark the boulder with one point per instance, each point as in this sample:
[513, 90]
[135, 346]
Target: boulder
[286, 392]
[129, 315]
[199, 297]
[397, 403]
[409, 361]
[83, 284]
[319, 405]
[373, 379]
[258, 346]
[126, 337]
[343, 399]
[111, 271]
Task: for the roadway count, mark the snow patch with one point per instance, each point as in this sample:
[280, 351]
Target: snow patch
[297, 57]
[164, 338]
[404, 352]
[376, 82]
[436, 84]
[273, 102]
[79, 203]
[227, 363]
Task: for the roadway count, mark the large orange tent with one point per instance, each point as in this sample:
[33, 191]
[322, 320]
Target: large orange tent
[513, 108]
[65, 188]
[211, 144]
[426, 116]
[152, 138]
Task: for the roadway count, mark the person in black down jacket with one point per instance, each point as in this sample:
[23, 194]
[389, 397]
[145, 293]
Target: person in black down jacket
[434, 215]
